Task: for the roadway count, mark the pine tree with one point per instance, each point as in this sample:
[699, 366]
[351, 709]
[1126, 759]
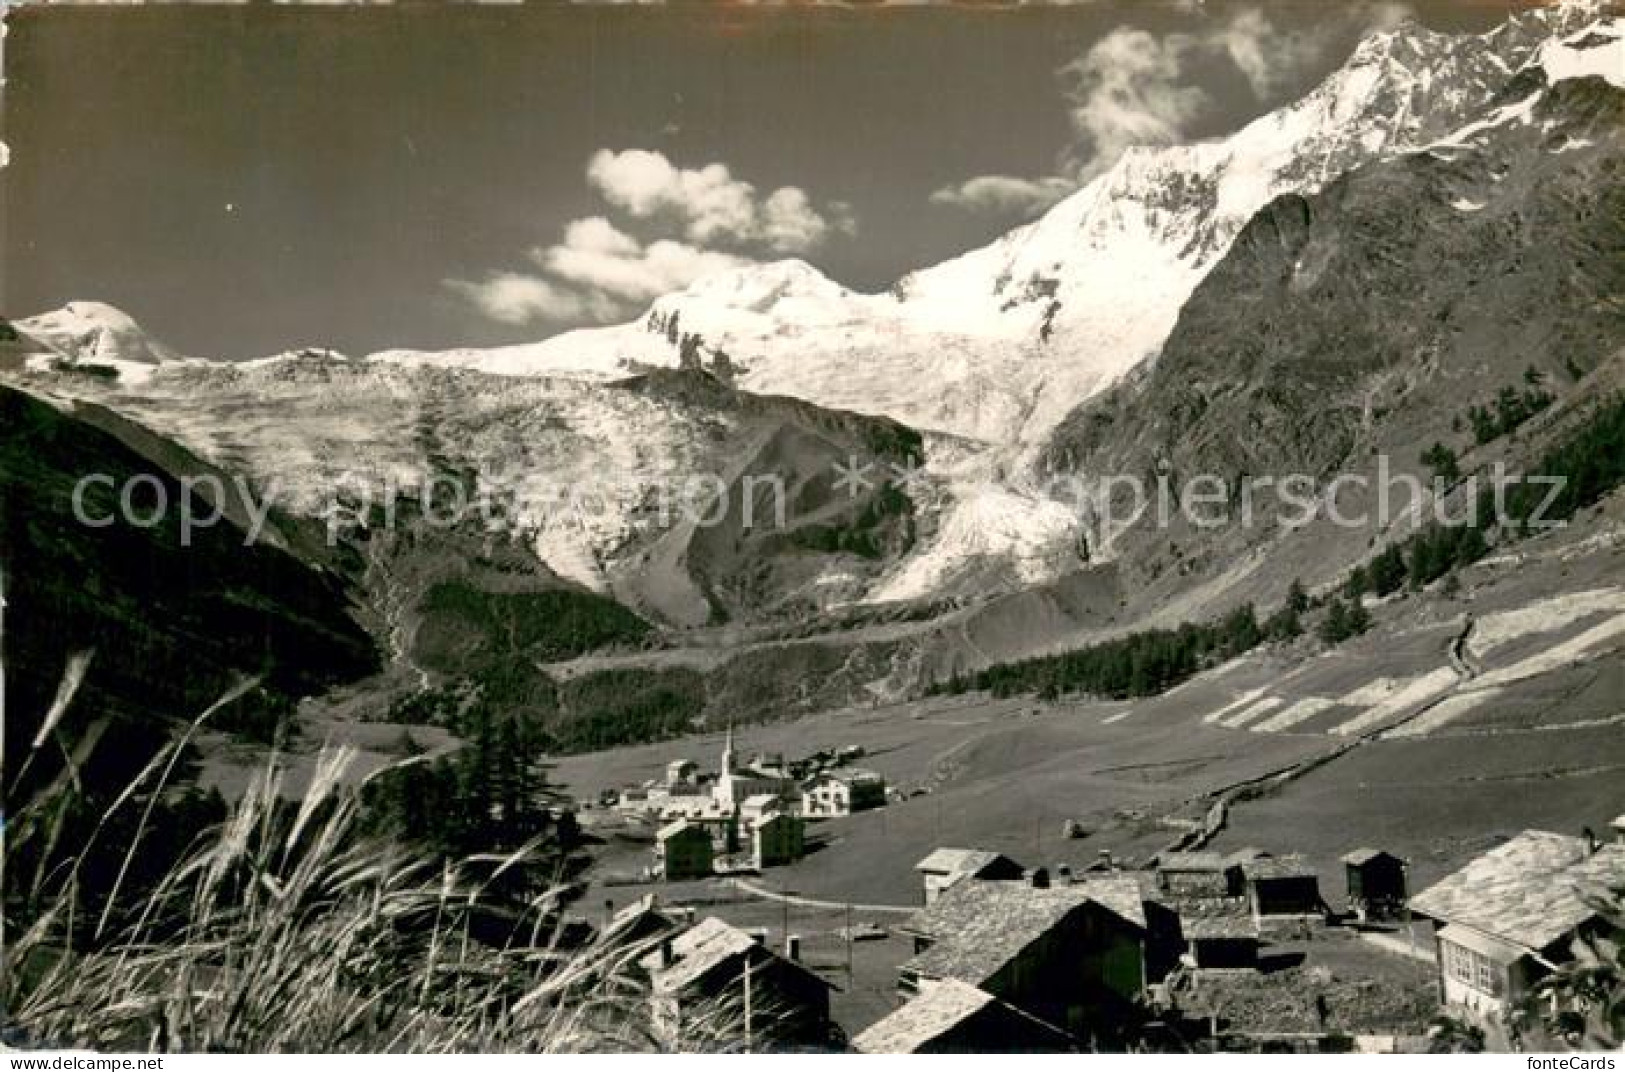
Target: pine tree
[1358, 618]
[1334, 628]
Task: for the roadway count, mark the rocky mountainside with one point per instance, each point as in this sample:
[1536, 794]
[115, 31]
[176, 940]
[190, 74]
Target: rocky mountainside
[1371, 321]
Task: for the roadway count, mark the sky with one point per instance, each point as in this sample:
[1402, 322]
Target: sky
[247, 179]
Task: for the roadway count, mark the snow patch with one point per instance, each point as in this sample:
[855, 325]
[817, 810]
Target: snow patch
[1414, 692]
[1442, 714]
[1239, 702]
[1252, 712]
[1301, 711]
[1495, 631]
[1597, 51]
[1566, 654]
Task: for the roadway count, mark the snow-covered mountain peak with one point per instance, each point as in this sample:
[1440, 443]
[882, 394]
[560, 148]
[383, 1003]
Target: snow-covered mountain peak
[759, 287]
[96, 331]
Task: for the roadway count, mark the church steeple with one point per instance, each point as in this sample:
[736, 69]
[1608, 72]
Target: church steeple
[728, 751]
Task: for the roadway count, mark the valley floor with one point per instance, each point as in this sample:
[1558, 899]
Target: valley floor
[1455, 723]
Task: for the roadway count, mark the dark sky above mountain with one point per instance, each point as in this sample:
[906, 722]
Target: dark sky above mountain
[245, 179]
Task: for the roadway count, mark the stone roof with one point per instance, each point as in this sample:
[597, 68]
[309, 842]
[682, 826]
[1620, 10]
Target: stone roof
[1272, 867]
[1527, 891]
[695, 952]
[647, 905]
[938, 1009]
[957, 861]
[1362, 856]
[1193, 861]
[979, 927]
[1122, 894]
[703, 947]
[1230, 926]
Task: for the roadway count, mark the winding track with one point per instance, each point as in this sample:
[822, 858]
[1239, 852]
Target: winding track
[766, 894]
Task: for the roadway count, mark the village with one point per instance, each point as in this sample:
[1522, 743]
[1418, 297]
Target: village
[1186, 950]
[745, 816]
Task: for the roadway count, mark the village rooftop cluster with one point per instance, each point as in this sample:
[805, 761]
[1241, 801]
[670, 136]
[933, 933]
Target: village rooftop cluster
[1009, 958]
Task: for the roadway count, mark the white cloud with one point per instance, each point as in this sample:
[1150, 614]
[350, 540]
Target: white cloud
[1135, 88]
[1252, 44]
[1129, 90]
[1004, 194]
[709, 204]
[598, 272]
[596, 258]
[516, 298]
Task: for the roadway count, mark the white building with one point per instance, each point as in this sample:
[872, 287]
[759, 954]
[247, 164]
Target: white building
[836, 793]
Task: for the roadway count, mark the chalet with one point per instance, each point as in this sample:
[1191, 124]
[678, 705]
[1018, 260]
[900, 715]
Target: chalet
[1376, 883]
[1508, 918]
[683, 849]
[1226, 942]
[1282, 886]
[955, 1017]
[1164, 935]
[639, 921]
[773, 1000]
[778, 839]
[681, 772]
[1061, 954]
[1199, 874]
[946, 868]
[837, 793]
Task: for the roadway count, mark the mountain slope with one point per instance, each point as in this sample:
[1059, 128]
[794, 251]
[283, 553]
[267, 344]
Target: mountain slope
[1362, 325]
[170, 624]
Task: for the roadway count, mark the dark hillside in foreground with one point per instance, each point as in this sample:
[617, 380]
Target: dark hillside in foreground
[170, 626]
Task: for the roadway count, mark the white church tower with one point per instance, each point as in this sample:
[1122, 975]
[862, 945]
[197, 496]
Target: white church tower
[728, 758]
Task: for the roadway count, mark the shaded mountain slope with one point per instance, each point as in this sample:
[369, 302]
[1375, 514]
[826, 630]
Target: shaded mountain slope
[170, 626]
